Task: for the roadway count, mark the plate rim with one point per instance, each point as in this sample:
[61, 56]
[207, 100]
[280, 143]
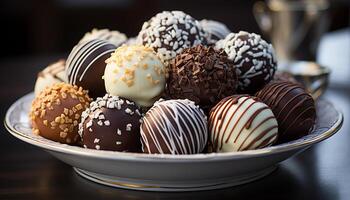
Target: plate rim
[140, 157]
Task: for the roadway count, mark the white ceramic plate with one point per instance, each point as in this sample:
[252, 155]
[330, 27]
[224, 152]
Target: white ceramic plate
[171, 172]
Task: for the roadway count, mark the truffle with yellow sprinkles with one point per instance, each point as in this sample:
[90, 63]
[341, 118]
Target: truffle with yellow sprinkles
[56, 112]
[135, 72]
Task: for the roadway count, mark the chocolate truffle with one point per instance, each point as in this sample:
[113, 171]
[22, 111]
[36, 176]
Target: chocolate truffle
[174, 127]
[202, 75]
[241, 122]
[293, 107]
[215, 30]
[114, 37]
[86, 64]
[54, 73]
[111, 123]
[253, 57]
[284, 76]
[56, 112]
[136, 73]
[168, 33]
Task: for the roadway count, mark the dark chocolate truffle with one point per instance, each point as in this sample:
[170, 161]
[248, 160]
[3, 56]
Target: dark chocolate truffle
[241, 122]
[253, 57]
[168, 33]
[174, 127]
[86, 65]
[56, 112]
[111, 123]
[202, 75]
[284, 76]
[293, 107]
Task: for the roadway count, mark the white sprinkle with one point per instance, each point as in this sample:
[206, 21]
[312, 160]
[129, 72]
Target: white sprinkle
[100, 123]
[96, 140]
[97, 147]
[107, 123]
[128, 127]
[119, 132]
[118, 142]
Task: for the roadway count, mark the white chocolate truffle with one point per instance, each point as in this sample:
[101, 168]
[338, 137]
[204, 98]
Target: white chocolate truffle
[135, 72]
[215, 30]
[114, 37]
[54, 73]
[239, 123]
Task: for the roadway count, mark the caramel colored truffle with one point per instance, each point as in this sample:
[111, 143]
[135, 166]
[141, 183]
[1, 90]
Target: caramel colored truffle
[56, 111]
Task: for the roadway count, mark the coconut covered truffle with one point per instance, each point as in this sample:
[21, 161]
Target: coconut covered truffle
[56, 112]
[170, 32]
[135, 72]
[54, 73]
[111, 123]
[114, 37]
[253, 57]
[202, 75]
[174, 127]
[239, 123]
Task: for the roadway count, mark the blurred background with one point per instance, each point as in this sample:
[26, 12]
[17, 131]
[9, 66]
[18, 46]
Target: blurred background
[47, 27]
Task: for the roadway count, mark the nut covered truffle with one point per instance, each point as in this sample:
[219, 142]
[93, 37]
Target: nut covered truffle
[86, 65]
[239, 123]
[52, 74]
[202, 75]
[168, 33]
[111, 123]
[56, 112]
[293, 107]
[253, 57]
[136, 73]
[174, 127]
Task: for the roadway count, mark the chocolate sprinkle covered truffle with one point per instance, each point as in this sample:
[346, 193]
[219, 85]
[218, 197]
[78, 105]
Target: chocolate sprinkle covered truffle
[253, 57]
[168, 33]
[241, 122]
[135, 72]
[293, 107]
[174, 127]
[114, 37]
[202, 75]
[215, 30]
[86, 65]
[56, 112]
[111, 123]
[54, 73]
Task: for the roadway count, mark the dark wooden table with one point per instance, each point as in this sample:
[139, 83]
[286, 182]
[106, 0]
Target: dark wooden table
[27, 172]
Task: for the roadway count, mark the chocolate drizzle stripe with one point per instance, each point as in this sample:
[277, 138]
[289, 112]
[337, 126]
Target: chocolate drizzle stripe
[233, 114]
[253, 131]
[173, 134]
[262, 134]
[296, 119]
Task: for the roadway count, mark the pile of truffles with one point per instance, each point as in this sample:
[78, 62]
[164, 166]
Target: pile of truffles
[182, 86]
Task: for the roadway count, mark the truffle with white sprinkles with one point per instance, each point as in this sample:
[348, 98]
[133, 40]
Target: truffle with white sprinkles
[111, 123]
[174, 127]
[253, 57]
[169, 32]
